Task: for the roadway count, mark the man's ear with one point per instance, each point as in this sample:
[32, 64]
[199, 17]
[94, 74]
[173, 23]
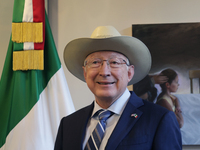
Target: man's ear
[84, 72]
[130, 72]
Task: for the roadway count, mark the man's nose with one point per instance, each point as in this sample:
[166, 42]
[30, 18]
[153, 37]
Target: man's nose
[104, 69]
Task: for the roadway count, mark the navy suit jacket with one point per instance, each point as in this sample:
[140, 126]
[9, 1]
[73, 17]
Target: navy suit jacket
[155, 128]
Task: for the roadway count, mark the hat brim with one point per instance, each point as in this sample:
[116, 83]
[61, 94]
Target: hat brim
[136, 51]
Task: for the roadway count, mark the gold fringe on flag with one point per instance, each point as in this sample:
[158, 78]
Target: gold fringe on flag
[27, 32]
[28, 60]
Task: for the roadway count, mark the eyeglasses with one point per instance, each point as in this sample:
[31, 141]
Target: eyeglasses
[112, 62]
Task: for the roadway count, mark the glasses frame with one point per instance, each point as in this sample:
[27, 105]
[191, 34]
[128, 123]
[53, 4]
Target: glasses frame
[108, 63]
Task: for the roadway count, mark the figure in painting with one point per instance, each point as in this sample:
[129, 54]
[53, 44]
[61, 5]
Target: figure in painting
[166, 99]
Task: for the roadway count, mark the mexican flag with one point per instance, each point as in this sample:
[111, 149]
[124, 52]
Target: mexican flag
[34, 95]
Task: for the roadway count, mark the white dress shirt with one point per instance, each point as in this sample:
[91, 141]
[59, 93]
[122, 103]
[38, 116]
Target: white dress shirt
[117, 107]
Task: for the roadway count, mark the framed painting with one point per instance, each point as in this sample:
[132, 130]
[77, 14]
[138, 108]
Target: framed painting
[177, 46]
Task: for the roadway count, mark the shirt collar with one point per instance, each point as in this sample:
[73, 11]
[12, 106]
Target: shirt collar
[118, 106]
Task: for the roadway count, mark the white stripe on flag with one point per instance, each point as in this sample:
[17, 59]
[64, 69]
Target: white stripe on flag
[28, 17]
[28, 11]
[28, 46]
[38, 129]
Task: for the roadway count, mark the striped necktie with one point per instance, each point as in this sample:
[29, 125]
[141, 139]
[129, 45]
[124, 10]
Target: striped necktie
[97, 135]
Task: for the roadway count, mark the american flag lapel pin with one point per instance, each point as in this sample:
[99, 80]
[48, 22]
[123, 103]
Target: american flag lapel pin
[134, 115]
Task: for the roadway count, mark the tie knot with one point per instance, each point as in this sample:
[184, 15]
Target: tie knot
[104, 115]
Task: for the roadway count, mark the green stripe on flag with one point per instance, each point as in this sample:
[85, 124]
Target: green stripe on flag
[18, 10]
[18, 46]
[20, 90]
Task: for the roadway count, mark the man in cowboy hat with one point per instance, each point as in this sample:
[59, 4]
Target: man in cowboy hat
[117, 119]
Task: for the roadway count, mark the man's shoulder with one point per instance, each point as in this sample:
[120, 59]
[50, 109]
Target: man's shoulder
[156, 113]
[83, 112]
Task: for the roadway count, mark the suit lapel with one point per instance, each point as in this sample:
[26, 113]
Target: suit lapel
[85, 116]
[126, 122]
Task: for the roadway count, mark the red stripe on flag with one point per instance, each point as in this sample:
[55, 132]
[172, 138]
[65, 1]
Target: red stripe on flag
[39, 16]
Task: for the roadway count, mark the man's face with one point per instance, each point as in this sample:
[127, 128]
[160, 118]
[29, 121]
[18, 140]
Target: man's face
[106, 83]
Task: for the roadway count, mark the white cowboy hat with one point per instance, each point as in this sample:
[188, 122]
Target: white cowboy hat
[107, 38]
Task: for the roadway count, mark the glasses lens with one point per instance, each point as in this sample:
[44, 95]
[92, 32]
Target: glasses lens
[116, 62]
[94, 62]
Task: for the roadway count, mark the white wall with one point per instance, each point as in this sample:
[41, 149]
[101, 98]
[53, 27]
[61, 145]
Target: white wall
[72, 19]
[6, 8]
